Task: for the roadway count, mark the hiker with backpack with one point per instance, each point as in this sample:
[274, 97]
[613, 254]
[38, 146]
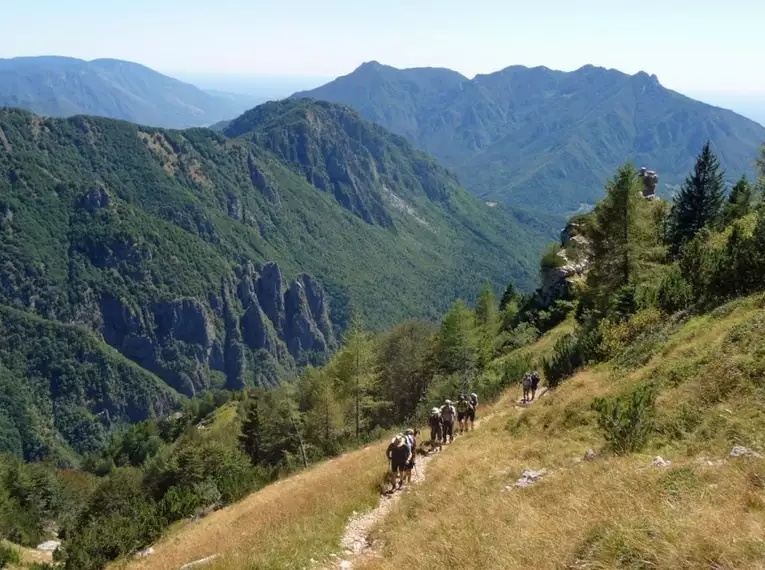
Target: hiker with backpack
[527, 383]
[473, 408]
[411, 442]
[463, 408]
[534, 384]
[400, 455]
[448, 413]
[436, 433]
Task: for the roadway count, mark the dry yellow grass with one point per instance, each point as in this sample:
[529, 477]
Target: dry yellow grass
[615, 512]
[281, 526]
[29, 556]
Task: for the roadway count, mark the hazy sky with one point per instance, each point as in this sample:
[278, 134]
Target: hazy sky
[691, 45]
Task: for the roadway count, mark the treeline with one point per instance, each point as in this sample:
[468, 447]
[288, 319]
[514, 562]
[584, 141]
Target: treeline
[223, 445]
[651, 259]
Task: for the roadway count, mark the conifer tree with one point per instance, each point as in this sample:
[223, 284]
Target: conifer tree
[622, 237]
[739, 202]
[405, 361]
[457, 350]
[487, 321]
[356, 371]
[700, 199]
[249, 440]
[509, 296]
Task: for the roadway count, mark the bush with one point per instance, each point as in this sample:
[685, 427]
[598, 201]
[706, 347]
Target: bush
[8, 555]
[627, 420]
[675, 293]
[570, 353]
[617, 335]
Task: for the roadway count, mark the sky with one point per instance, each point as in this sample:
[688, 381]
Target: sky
[691, 45]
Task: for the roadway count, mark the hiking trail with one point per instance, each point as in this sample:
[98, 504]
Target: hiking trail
[356, 543]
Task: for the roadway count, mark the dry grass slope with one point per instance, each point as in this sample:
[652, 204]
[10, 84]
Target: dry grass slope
[705, 510]
[615, 512]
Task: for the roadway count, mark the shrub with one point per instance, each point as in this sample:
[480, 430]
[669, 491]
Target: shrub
[627, 420]
[675, 293]
[8, 555]
[617, 335]
[570, 353]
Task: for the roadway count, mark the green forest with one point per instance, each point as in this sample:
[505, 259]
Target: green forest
[142, 267]
[647, 260]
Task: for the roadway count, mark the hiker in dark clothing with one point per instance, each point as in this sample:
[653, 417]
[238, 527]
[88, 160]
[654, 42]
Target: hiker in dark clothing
[534, 384]
[436, 433]
[472, 410]
[463, 409]
[411, 442]
[448, 413]
[527, 383]
[399, 455]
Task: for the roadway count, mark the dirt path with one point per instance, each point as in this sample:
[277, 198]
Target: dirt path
[356, 543]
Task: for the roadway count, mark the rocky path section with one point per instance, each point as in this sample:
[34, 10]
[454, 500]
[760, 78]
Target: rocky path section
[356, 542]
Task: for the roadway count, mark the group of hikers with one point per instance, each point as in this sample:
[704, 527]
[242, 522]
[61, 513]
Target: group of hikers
[402, 450]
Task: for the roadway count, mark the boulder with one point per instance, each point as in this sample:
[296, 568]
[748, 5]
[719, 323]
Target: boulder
[741, 451]
[49, 546]
[529, 477]
[660, 462]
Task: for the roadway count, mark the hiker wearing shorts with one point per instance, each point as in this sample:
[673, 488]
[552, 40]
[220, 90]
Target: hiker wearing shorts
[463, 408]
[436, 433]
[399, 455]
[448, 413]
[473, 407]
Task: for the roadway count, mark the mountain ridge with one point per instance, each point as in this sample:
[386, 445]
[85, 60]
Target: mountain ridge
[544, 139]
[166, 243]
[64, 86]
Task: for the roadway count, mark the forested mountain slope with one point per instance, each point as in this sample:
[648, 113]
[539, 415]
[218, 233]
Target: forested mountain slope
[210, 260]
[542, 139]
[63, 86]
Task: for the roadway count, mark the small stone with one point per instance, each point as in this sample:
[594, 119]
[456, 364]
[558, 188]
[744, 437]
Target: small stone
[49, 546]
[529, 477]
[660, 462]
[144, 553]
[345, 565]
[741, 451]
[590, 455]
[199, 562]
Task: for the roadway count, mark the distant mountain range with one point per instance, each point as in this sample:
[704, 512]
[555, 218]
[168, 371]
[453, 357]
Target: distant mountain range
[541, 139]
[62, 87]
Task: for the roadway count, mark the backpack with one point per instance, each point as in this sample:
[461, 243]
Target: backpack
[474, 399]
[535, 380]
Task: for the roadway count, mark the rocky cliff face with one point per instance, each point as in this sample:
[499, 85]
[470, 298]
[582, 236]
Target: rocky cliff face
[260, 330]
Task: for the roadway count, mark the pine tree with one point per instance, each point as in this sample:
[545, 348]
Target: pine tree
[249, 440]
[509, 296]
[739, 202]
[406, 369]
[700, 199]
[623, 236]
[323, 410]
[457, 349]
[357, 373]
[487, 321]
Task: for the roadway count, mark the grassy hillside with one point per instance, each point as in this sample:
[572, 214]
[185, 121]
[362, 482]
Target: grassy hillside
[542, 139]
[703, 510]
[63, 86]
